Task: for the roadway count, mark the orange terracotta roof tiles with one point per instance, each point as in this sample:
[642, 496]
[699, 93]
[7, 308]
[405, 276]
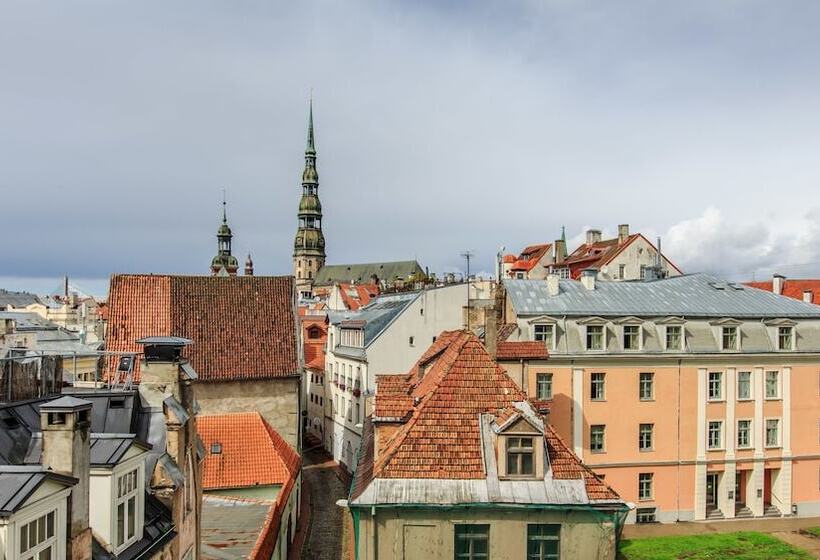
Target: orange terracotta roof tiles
[598, 254]
[530, 257]
[355, 296]
[506, 331]
[793, 288]
[522, 350]
[252, 453]
[242, 327]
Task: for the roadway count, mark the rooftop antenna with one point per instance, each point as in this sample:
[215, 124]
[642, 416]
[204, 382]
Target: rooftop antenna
[468, 254]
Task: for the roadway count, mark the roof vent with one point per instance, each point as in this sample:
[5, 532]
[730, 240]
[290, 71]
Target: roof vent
[216, 448]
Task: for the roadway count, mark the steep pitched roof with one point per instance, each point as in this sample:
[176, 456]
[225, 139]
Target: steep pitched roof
[252, 453]
[243, 327]
[530, 256]
[792, 288]
[601, 253]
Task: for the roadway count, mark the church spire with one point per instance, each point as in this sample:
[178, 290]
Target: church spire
[224, 263]
[311, 147]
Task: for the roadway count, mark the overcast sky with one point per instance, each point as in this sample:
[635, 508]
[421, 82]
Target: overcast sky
[441, 126]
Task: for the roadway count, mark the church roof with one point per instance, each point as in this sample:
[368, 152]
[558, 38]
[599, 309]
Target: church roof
[359, 273]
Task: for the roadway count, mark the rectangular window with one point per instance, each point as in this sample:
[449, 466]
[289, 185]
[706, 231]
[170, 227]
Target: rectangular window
[729, 338]
[520, 456]
[596, 438]
[622, 271]
[772, 384]
[545, 334]
[358, 412]
[597, 388]
[543, 541]
[595, 337]
[632, 337]
[472, 542]
[645, 515]
[674, 337]
[715, 386]
[715, 435]
[126, 504]
[645, 486]
[543, 386]
[744, 385]
[38, 539]
[772, 432]
[744, 434]
[646, 386]
[645, 436]
[785, 338]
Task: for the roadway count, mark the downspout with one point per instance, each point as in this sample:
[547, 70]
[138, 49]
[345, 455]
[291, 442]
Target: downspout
[375, 554]
[677, 478]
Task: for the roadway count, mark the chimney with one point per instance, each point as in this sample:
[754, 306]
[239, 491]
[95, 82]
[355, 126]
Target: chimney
[623, 232]
[491, 332]
[249, 266]
[588, 276]
[777, 284]
[593, 236]
[559, 247]
[553, 284]
[66, 428]
[808, 296]
[161, 370]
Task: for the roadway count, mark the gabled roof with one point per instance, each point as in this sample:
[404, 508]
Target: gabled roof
[599, 254]
[252, 453]
[387, 271]
[530, 257]
[20, 482]
[792, 288]
[692, 295]
[243, 327]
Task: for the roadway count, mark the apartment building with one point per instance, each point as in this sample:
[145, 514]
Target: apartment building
[386, 336]
[695, 398]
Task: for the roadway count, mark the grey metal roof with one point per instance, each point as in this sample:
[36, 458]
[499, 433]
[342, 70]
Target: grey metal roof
[66, 402]
[379, 313]
[231, 527]
[17, 299]
[694, 295]
[165, 341]
[362, 273]
[108, 449]
[17, 483]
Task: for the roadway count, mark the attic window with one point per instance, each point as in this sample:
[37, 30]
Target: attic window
[56, 418]
[520, 456]
[117, 403]
[216, 448]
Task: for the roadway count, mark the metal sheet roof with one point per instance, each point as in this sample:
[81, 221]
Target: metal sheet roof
[379, 313]
[694, 295]
[362, 273]
[18, 483]
[231, 526]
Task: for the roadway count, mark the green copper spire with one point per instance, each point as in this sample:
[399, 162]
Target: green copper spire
[564, 239]
[309, 245]
[224, 262]
[311, 148]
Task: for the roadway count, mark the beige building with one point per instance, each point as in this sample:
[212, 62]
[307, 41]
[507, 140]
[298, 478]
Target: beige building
[456, 463]
[692, 396]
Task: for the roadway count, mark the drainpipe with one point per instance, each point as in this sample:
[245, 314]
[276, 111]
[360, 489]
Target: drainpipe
[373, 523]
[677, 481]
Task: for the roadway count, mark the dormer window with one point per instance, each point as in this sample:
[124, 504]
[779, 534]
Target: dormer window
[38, 538]
[785, 338]
[544, 333]
[729, 338]
[674, 337]
[128, 524]
[595, 337]
[632, 337]
[520, 456]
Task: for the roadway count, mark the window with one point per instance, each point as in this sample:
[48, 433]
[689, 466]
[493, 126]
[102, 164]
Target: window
[596, 438]
[545, 334]
[715, 435]
[645, 486]
[621, 271]
[645, 433]
[643, 272]
[646, 386]
[349, 413]
[595, 337]
[412, 341]
[632, 337]
[543, 386]
[785, 338]
[520, 456]
[729, 338]
[216, 448]
[674, 337]
[744, 434]
[744, 385]
[772, 432]
[597, 389]
[358, 413]
[472, 542]
[645, 515]
[772, 384]
[126, 507]
[37, 538]
[715, 386]
[543, 541]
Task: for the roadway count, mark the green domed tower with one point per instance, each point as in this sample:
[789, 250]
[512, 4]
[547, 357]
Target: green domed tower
[224, 264]
[309, 245]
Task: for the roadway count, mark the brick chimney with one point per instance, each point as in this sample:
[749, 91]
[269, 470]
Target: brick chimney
[588, 277]
[560, 247]
[66, 427]
[777, 284]
[623, 233]
[808, 296]
[593, 236]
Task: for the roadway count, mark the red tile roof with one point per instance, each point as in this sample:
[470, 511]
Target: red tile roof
[598, 254]
[793, 288]
[441, 399]
[521, 350]
[530, 257]
[509, 259]
[363, 294]
[253, 453]
[243, 327]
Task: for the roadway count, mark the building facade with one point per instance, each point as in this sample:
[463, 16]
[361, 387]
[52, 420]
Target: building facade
[695, 398]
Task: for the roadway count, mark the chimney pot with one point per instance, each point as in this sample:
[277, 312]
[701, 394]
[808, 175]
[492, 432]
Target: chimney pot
[588, 277]
[623, 232]
[593, 236]
[777, 283]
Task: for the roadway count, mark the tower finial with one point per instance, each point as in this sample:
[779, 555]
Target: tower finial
[224, 207]
[311, 148]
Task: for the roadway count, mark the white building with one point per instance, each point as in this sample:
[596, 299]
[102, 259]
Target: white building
[387, 336]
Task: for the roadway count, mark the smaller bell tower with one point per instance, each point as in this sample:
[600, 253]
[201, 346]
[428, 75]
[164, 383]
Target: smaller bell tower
[224, 263]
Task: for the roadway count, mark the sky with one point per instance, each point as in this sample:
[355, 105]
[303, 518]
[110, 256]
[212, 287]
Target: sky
[441, 126]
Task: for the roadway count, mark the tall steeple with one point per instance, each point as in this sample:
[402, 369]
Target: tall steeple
[224, 263]
[309, 245]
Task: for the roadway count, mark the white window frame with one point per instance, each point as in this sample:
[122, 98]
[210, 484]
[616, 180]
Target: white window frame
[777, 396]
[709, 396]
[640, 337]
[751, 387]
[32, 514]
[720, 445]
[651, 396]
[651, 437]
[603, 438]
[549, 382]
[603, 338]
[791, 337]
[550, 344]
[651, 486]
[666, 337]
[750, 443]
[723, 330]
[592, 382]
[779, 442]
[138, 492]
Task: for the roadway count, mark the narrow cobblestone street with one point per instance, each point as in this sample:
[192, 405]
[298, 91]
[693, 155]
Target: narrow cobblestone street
[330, 527]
